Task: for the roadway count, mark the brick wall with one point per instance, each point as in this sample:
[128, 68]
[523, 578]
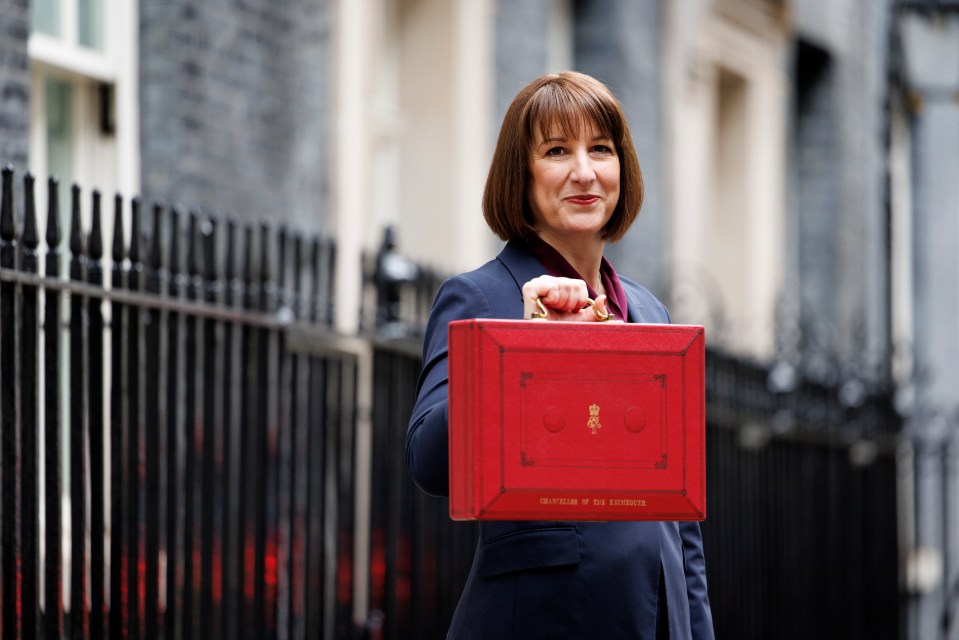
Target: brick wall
[14, 82]
[521, 49]
[235, 107]
[839, 157]
[816, 184]
[618, 42]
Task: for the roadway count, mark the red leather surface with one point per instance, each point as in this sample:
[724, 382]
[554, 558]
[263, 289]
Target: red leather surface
[576, 421]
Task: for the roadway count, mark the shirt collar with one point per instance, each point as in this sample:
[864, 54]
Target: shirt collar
[556, 265]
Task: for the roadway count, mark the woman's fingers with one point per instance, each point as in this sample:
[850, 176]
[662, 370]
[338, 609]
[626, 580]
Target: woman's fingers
[564, 298]
[564, 294]
[600, 307]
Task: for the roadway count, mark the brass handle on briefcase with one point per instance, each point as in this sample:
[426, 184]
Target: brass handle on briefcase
[542, 314]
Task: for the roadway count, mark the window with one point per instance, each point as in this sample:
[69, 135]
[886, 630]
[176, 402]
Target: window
[80, 20]
[83, 99]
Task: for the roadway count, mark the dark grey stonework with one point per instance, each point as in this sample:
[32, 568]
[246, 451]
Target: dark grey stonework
[235, 107]
[14, 83]
[618, 42]
[815, 183]
[863, 254]
[521, 51]
[838, 207]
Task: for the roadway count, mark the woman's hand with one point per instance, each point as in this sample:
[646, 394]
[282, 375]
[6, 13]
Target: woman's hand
[565, 299]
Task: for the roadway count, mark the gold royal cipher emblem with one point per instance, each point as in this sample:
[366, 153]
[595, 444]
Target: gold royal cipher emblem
[593, 422]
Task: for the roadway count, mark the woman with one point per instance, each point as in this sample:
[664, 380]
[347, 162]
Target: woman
[564, 180]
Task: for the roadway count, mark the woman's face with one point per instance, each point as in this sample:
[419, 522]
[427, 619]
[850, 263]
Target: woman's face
[574, 183]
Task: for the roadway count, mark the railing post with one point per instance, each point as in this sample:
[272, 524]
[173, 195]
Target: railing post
[29, 426]
[8, 411]
[152, 320]
[262, 427]
[53, 566]
[232, 451]
[96, 426]
[77, 427]
[211, 477]
[249, 385]
[173, 611]
[190, 422]
[297, 301]
[134, 483]
[118, 422]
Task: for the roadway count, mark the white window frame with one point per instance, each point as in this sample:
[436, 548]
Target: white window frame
[111, 166]
[736, 38]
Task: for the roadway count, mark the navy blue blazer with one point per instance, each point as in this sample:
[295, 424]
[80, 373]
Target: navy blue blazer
[551, 579]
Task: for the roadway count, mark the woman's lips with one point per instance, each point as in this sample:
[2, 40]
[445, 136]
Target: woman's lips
[582, 200]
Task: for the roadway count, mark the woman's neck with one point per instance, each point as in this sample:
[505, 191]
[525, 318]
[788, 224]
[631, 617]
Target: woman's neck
[583, 254]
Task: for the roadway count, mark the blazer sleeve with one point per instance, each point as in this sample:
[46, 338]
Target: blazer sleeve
[427, 437]
[700, 613]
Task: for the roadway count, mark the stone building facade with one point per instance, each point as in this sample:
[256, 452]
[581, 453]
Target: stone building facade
[799, 157]
[235, 107]
[14, 82]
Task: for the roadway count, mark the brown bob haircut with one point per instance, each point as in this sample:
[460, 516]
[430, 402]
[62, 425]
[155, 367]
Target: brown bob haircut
[567, 101]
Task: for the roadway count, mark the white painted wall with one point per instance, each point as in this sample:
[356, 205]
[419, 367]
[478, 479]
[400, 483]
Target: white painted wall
[727, 92]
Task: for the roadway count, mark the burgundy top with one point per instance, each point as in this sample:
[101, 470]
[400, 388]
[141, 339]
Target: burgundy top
[556, 265]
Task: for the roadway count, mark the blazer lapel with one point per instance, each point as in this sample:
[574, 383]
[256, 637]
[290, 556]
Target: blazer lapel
[520, 263]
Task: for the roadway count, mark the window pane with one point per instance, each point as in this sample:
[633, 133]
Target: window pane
[90, 13]
[45, 16]
[60, 140]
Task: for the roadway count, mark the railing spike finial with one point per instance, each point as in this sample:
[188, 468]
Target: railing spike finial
[297, 284]
[208, 230]
[95, 243]
[266, 284]
[154, 270]
[329, 271]
[247, 260]
[118, 252]
[136, 232]
[54, 234]
[192, 251]
[175, 267]
[314, 296]
[174, 241]
[282, 241]
[265, 272]
[156, 250]
[31, 235]
[229, 268]
[8, 229]
[76, 230]
[135, 273]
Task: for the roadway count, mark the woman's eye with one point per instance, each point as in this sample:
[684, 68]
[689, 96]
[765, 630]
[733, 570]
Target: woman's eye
[555, 152]
[602, 148]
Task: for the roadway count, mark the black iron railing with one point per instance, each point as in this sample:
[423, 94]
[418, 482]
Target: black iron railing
[209, 468]
[234, 468]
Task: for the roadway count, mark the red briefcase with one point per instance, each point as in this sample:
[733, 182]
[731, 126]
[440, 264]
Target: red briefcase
[576, 421]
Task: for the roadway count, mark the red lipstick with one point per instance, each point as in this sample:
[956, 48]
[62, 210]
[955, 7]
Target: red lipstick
[585, 199]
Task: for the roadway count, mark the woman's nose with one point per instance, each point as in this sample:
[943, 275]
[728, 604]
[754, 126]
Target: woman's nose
[582, 167]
